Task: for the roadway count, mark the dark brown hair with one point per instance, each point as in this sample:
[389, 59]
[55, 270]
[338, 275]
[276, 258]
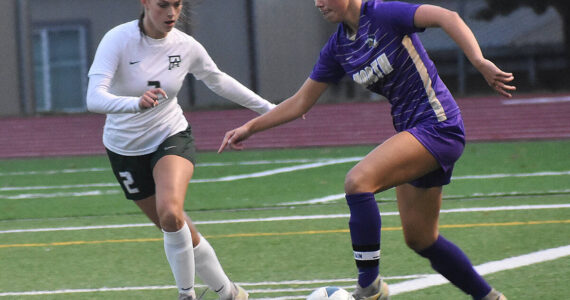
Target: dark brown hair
[141, 27]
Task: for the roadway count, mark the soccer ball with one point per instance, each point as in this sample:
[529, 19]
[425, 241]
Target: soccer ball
[330, 292]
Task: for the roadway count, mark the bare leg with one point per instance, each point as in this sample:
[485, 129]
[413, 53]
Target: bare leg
[148, 206]
[398, 160]
[207, 265]
[171, 175]
[419, 213]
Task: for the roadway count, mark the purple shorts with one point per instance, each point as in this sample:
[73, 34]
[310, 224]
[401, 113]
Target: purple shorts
[445, 141]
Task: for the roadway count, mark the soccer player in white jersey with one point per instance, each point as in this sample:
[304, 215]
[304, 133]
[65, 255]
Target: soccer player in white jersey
[137, 72]
[377, 46]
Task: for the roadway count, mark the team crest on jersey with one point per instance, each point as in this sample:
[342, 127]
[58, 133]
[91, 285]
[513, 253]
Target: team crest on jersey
[371, 41]
[174, 61]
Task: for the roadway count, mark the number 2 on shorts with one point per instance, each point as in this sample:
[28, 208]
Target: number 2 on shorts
[128, 182]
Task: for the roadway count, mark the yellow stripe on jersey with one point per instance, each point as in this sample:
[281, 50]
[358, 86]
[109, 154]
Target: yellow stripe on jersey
[422, 70]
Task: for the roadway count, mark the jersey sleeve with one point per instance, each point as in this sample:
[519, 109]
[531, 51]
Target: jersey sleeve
[107, 55]
[399, 15]
[205, 70]
[101, 73]
[327, 68]
[100, 100]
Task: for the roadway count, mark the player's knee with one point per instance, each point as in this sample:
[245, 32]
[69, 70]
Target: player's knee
[413, 243]
[171, 219]
[358, 182]
[418, 242]
[352, 184]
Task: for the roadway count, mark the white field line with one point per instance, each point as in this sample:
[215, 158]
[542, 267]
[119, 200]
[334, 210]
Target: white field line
[288, 218]
[61, 194]
[207, 180]
[213, 164]
[74, 291]
[484, 269]
[246, 176]
[317, 164]
[54, 187]
[326, 199]
[54, 172]
[336, 197]
[541, 100]
[321, 200]
[494, 176]
[420, 281]
[280, 170]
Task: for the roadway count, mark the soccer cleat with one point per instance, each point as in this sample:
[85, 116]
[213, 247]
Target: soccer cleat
[191, 296]
[238, 293]
[377, 290]
[494, 295]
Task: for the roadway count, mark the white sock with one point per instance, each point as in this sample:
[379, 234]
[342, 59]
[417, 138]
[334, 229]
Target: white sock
[209, 269]
[178, 248]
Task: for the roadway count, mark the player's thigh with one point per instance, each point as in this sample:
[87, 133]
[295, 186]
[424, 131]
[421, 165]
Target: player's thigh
[148, 207]
[419, 213]
[398, 160]
[173, 166]
[172, 175]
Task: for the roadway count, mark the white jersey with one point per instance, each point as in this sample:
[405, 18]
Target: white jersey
[128, 63]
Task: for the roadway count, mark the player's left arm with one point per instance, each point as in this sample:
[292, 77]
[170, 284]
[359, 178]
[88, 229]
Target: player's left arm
[205, 70]
[450, 21]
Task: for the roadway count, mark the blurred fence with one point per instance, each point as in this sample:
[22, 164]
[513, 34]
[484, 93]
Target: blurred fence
[49, 45]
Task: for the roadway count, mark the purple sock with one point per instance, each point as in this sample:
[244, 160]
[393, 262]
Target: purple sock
[453, 264]
[364, 227]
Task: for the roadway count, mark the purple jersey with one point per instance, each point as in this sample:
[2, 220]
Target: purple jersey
[387, 57]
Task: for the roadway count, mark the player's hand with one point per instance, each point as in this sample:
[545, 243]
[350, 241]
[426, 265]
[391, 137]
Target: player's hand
[234, 138]
[150, 98]
[496, 78]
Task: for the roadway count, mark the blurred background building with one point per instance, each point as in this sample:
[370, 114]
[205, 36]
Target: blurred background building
[268, 45]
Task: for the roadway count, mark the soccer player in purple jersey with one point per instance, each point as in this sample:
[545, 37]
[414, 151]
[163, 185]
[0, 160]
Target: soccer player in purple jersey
[377, 46]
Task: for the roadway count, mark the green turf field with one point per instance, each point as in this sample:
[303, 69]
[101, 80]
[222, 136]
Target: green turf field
[278, 222]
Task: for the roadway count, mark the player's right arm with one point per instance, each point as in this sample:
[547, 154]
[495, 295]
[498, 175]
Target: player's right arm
[455, 27]
[288, 110]
[99, 97]
[100, 100]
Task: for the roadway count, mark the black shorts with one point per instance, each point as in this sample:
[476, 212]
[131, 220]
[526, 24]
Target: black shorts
[134, 173]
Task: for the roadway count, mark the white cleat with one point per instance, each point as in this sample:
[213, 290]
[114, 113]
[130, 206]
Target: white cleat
[377, 290]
